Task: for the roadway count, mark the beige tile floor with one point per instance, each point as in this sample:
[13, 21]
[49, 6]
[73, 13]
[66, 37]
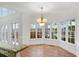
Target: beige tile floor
[45, 51]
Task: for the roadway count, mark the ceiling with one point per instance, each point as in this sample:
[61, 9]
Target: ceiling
[52, 10]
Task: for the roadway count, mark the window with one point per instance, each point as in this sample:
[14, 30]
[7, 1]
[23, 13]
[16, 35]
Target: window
[63, 33]
[71, 31]
[5, 11]
[9, 33]
[14, 31]
[4, 33]
[47, 31]
[33, 31]
[17, 33]
[39, 32]
[54, 31]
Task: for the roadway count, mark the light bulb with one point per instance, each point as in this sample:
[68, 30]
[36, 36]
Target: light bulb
[39, 20]
[41, 24]
[13, 43]
[17, 43]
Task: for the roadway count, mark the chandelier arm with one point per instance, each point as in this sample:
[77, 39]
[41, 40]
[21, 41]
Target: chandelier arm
[41, 14]
[42, 11]
[42, 21]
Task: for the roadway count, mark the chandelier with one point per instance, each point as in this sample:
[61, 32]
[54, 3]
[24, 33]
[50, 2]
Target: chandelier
[42, 21]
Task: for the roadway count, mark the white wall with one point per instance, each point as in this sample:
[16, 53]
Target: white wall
[77, 33]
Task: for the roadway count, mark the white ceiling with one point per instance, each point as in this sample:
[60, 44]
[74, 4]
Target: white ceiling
[52, 10]
[35, 6]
